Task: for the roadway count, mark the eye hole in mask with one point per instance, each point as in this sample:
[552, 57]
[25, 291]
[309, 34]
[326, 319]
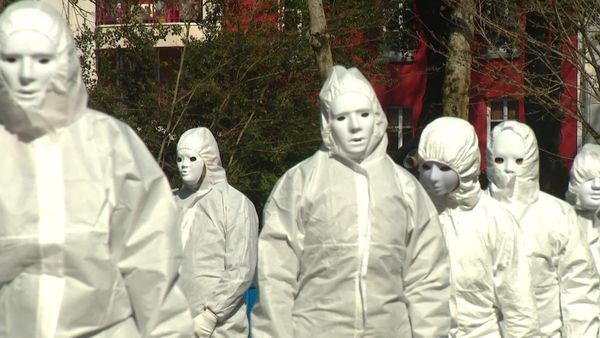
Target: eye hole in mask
[500, 160]
[509, 152]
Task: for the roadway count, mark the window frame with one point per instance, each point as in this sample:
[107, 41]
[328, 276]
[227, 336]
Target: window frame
[173, 10]
[505, 101]
[403, 28]
[402, 128]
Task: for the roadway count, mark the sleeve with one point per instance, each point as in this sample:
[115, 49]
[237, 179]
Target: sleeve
[144, 240]
[426, 276]
[241, 232]
[512, 280]
[278, 263]
[579, 284]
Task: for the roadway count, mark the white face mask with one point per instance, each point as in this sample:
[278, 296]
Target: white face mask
[191, 167]
[27, 64]
[438, 179]
[509, 153]
[352, 122]
[589, 194]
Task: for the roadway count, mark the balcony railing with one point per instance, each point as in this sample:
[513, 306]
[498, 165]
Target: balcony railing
[110, 12]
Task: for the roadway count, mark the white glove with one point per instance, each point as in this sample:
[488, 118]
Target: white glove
[204, 324]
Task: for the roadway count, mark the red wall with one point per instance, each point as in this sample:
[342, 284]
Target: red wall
[405, 85]
[490, 80]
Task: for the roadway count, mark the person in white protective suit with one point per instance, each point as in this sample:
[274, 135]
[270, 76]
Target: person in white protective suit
[584, 194]
[89, 244]
[489, 271]
[219, 235]
[564, 278]
[351, 245]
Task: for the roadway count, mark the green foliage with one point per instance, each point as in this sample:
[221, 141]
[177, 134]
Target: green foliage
[257, 93]
[120, 67]
[254, 87]
[251, 79]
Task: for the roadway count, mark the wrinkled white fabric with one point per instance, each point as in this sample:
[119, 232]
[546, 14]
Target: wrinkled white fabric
[88, 240]
[351, 250]
[490, 273]
[220, 253]
[586, 167]
[564, 278]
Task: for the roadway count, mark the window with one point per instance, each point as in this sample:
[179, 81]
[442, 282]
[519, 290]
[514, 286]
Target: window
[169, 59]
[501, 110]
[400, 39]
[293, 14]
[107, 62]
[292, 19]
[162, 68]
[499, 27]
[122, 11]
[400, 129]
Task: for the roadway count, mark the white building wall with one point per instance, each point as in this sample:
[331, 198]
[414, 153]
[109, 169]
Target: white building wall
[84, 13]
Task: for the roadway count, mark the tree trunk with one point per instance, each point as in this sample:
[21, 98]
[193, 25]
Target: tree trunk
[458, 65]
[319, 39]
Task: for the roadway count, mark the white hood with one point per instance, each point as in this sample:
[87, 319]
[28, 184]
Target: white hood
[202, 141]
[586, 166]
[523, 188]
[66, 97]
[340, 81]
[453, 142]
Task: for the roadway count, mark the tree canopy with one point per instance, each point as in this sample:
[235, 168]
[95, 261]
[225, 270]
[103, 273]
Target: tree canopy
[253, 79]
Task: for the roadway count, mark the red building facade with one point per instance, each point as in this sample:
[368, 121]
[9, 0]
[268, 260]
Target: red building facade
[497, 82]
[496, 90]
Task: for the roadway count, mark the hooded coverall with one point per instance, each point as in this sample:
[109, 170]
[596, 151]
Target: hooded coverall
[586, 166]
[565, 282]
[350, 249]
[221, 227]
[89, 243]
[491, 283]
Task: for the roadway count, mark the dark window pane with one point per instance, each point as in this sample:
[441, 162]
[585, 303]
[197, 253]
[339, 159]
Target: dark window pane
[513, 109]
[122, 11]
[496, 111]
[407, 118]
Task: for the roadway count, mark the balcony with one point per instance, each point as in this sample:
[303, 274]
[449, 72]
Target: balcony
[110, 12]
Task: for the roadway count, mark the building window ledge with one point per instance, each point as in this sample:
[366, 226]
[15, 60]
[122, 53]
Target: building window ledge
[396, 57]
[501, 53]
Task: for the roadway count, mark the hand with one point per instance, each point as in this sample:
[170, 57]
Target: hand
[204, 324]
